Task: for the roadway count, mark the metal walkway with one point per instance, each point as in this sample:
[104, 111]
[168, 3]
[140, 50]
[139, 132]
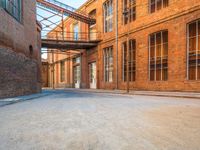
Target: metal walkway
[68, 45]
[56, 37]
[66, 10]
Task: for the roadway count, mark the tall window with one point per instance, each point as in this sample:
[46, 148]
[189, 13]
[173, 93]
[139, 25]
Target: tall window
[129, 5]
[62, 71]
[156, 5]
[108, 16]
[108, 64]
[13, 7]
[132, 60]
[158, 56]
[76, 30]
[193, 40]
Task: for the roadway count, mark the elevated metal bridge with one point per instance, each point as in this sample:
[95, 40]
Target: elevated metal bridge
[59, 7]
[53, 33]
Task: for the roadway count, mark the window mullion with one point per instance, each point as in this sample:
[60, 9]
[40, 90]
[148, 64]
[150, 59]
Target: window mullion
[161, 56]
[123, 63]
[149, 57]
[196, 50]
[155, 59]
[156, 5]
[188, 52]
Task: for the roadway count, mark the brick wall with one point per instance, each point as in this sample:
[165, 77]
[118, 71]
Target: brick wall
[18, 75]
[20, 69]
[173, 18]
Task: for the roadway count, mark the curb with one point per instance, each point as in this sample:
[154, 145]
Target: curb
[124, 93]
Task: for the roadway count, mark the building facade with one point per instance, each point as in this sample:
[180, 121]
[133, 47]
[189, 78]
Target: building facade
[20, 44]
[155, 44]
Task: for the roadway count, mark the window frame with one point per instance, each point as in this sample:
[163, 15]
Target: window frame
[15, 10]
[132, 61]
[108, 64]
[156, 5]
[108, 16]
[197, 50]
[62, 71]
[162, 57]
[131, 12]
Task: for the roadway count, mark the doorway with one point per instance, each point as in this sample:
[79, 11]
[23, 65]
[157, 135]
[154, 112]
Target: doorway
[77, 77]
[92, 75]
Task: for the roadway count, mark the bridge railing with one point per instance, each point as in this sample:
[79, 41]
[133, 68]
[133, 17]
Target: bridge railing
[71, 36]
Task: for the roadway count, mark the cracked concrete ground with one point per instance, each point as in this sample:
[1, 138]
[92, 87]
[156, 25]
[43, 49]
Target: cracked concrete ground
[86, 121]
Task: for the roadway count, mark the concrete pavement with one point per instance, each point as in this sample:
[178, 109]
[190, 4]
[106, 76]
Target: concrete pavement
[68, 120]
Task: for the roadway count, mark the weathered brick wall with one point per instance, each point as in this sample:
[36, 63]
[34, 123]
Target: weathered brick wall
[20, 69]
[18, 74]
[174, 18]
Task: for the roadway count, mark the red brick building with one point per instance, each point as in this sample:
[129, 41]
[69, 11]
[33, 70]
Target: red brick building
[164, 46]
[20, 46]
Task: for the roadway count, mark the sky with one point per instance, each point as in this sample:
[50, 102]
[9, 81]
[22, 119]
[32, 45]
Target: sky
[73, 3]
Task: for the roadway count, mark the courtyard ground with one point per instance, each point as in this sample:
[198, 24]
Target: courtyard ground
[72, 120]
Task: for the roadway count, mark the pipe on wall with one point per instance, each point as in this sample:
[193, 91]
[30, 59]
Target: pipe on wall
[116, 30]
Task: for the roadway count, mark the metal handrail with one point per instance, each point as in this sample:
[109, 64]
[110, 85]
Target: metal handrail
[72, 36]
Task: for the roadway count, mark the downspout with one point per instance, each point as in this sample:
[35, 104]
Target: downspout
[117, 81]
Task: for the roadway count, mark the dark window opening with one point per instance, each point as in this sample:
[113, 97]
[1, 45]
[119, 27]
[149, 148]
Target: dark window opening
[156, 5]
[158, 56]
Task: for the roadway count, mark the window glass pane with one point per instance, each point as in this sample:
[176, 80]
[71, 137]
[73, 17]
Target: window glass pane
[152, 75]
[199, 35]
[158, 74]
[152, 52]
[192, 29]
[192, 73]
[108, 16]
[153, 6]
[165, 3]
[198, 73]
[159, 4]
[199, 28]
[2, 3]
[158, 51]
[198, 76]
[158, 38]
[199, 42]
[192, 44]
[165, 74]
[152, 40]
[165, 49]
[165, 36]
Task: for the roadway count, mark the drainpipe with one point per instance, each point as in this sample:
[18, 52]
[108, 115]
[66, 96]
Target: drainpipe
[117, 81]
